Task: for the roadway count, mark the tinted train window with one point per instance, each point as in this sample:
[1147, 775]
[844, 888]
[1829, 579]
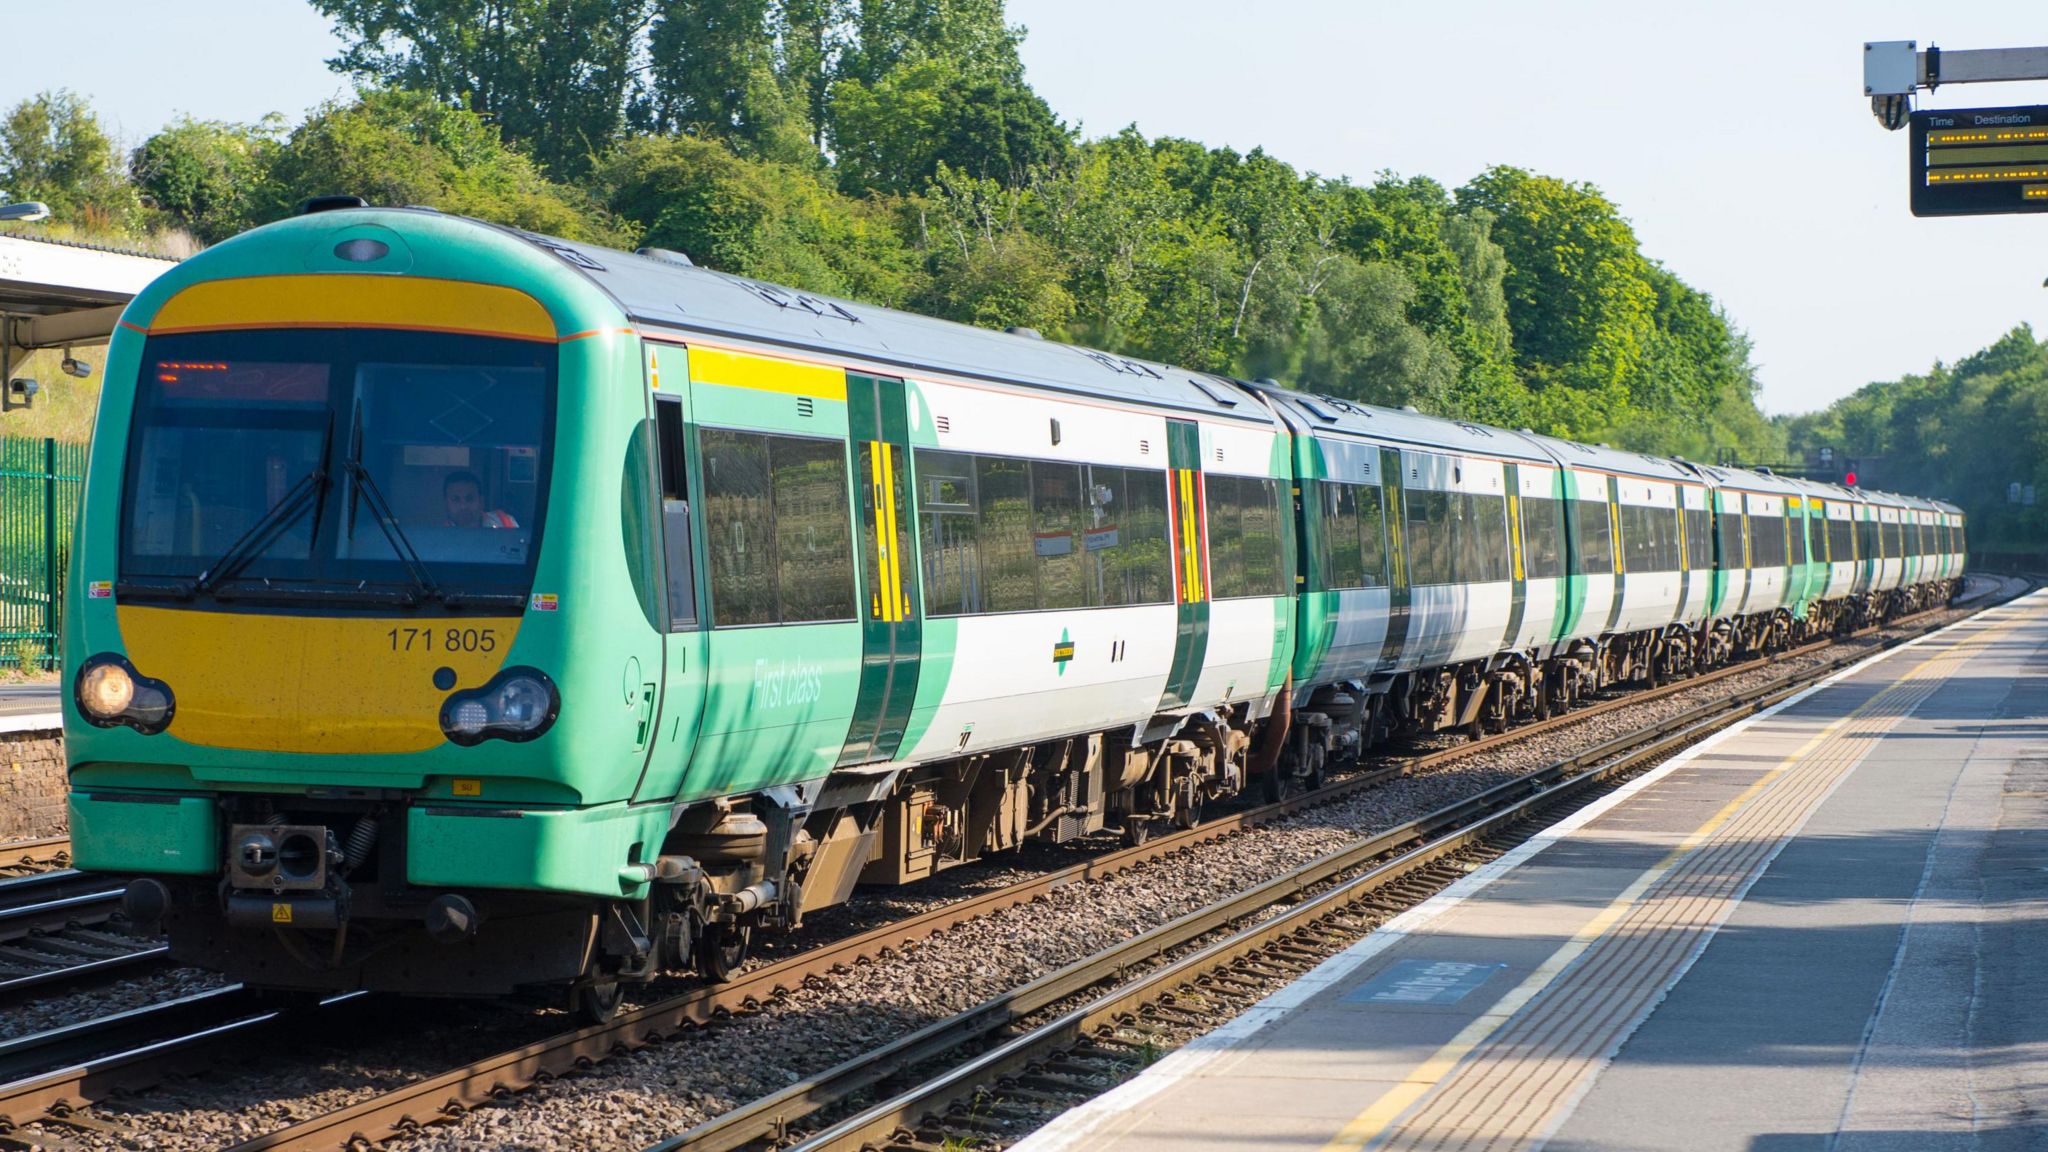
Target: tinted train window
[1542, 538]
[1354, 535]
[1245, 542]
[945, 499]
[775, 527]
[1009, 564]
[1431, 548]
[1004, 535]
[1342, 545]
[1699, 538]
[1796, 529]
[1057, 518]
[675, 513]
[1766, 541]
[1841, 541]
[1649, 539]
[1596, 538]
[1893, 542]
[1728, 550]
[1482, 538]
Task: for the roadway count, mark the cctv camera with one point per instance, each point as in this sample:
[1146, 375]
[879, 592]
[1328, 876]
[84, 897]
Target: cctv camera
[75, 367]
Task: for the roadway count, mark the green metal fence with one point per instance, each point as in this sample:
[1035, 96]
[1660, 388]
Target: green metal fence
[39, 486]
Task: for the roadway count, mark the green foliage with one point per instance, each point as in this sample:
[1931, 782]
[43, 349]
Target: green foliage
[758, 218]
[892, 151]
[200, 175]
[552, 74]
[400, 147]
[53, 149]
[1962, 433]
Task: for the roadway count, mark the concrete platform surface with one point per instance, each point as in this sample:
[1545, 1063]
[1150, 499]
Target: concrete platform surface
[1820, 929]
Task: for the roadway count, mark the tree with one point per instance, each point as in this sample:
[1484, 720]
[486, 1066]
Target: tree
[53, 149]
[891, 136]
[399, 147]
[552, 74]
[202, 175]
[758, 218]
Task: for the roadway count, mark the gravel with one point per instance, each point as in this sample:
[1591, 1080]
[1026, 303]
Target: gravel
[635, 1100]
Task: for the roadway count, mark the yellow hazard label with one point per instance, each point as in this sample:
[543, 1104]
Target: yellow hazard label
[280, 912]
[469, 787]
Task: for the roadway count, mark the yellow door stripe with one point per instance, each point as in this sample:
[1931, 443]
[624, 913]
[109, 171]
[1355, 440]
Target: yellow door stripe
[353, 300]
[1515, 531]
[898, 598]
[764, 374]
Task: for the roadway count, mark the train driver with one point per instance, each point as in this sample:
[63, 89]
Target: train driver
[463, 494]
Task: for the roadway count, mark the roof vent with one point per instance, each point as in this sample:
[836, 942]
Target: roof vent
[1027, 333]
[1526, 431]
[665, 255]
[1267, 382]
[331, 204]
[1411, 409]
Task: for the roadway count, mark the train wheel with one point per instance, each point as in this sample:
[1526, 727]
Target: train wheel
[721, 951]
[1187, 806]
[596, 1003]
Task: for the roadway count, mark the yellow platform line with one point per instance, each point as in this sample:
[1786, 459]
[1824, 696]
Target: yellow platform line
[1372, 1126]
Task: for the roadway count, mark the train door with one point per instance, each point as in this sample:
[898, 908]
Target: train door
[673, 713]
[892, 622]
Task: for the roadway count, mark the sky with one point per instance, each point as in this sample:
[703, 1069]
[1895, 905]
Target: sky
[1733, 135]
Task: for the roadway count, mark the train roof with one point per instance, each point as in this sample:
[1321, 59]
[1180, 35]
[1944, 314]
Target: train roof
[664, 290]
[1618, 461]
[1748, 480]
[1319, 415]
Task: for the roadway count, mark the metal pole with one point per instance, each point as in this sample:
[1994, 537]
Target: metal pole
[50, 549]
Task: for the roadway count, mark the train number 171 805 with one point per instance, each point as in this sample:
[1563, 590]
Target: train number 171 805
[443, 639]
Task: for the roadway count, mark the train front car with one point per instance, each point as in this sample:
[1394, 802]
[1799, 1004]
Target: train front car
[353, 477]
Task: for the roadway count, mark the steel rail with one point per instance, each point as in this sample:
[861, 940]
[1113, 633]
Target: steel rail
[23, 857]
[405, 1110]
[913, 1115]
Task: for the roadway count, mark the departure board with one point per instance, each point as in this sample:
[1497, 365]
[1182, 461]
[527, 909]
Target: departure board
[1980, 161]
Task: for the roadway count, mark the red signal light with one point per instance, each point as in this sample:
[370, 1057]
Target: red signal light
[1849, 479]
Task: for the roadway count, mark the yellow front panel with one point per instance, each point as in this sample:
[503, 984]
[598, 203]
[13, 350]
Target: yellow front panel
[311, 683]
[341, 300]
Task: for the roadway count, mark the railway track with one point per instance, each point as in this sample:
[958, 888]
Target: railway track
[28, 857]
[996, 1072]
[61, 927]
[62, 1095]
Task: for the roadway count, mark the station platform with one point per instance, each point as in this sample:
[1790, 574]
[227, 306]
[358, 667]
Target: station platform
[1823, 928]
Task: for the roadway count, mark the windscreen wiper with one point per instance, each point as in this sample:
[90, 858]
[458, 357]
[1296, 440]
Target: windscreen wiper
[366, 487]
[252, 543]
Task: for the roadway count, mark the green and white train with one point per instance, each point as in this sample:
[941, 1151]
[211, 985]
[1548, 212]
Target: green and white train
[456, 610]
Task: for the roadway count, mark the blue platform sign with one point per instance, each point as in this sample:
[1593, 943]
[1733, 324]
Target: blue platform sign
[1431, 982]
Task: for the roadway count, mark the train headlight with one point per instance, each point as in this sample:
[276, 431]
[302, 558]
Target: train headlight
[518, 704]
[110, 693]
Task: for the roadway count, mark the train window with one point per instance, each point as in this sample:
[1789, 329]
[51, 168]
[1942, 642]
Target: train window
[1699, 538]
[1482, 538]
[1245, 541]
[1134, 558]
[1766, 541]
[946, 502]
[675, 513]
[1841, 541]
[1795, 527]
[1432, 549]
[1728, 551]
[1893, 541]
[1595, 538]
[1009, 566]
[1057, 518]
[739, 526]
[1343, 559]
[1542, 538]
[775, 527]
[813, 541]
[1372, 534]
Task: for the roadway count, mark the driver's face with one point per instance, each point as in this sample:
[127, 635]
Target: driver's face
[465, 505]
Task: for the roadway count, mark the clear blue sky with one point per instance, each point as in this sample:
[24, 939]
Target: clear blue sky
[1734, 134]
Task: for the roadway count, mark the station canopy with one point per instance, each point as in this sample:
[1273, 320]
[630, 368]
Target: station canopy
[57, 293]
